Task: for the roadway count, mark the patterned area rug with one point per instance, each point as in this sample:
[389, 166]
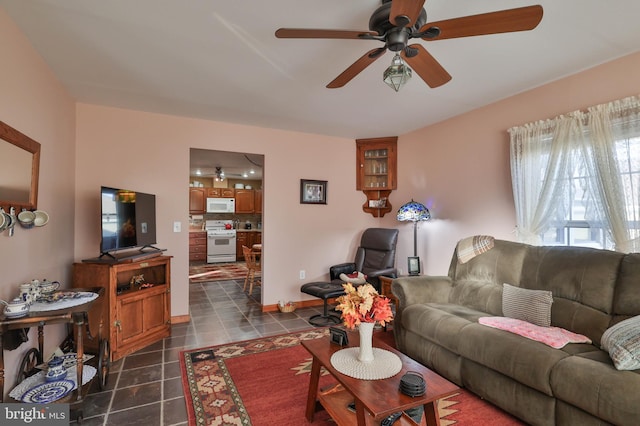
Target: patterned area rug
[218, 272]
[264, 382]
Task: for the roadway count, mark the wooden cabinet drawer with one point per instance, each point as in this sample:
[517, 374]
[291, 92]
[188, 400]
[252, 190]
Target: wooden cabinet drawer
[197, 242]
[194, 257]
[198, 249]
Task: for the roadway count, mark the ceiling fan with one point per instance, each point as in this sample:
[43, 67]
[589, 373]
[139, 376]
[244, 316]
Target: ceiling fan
[396, 22]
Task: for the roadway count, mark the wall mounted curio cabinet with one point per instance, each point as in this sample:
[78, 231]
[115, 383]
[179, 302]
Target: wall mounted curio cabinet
[376, 163]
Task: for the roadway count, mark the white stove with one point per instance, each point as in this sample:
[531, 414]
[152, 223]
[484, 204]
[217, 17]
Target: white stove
[221, 241]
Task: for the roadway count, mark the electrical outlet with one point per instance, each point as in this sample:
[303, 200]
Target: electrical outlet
[177, 226]
[303, 274]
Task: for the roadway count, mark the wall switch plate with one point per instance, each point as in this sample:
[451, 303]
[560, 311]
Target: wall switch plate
[177, 226]
[303, 274]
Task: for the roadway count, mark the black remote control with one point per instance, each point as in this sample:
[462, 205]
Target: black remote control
[391, 419]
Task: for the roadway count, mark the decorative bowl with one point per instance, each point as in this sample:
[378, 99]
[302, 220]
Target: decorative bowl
[41, 219]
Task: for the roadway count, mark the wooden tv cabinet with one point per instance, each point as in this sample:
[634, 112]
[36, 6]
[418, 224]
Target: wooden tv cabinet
[134, 317]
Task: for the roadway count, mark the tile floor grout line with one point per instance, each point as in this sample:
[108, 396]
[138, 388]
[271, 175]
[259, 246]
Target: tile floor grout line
[162, 383]
[113, 392]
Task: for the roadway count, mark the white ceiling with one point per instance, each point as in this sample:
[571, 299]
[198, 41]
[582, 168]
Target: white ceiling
[235, 165]
[220, 60]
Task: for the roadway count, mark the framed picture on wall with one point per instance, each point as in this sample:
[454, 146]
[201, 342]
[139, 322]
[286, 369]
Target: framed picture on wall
[414, 265]
[313, 191]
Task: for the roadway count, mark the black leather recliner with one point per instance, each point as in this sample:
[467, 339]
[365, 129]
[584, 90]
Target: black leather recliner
[375, 256]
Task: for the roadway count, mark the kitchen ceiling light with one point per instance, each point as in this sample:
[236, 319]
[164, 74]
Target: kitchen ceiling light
[219, 174]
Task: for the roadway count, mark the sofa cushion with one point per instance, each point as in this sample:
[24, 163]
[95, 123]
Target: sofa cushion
[439, 323]
[524, 360]
[590, 382]
[533, 306]
[583, 283]
[622, 341]
[626, 302]
[479, 295]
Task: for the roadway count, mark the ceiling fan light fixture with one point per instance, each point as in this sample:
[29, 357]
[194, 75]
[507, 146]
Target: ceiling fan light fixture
[398, 73]
[219, 174]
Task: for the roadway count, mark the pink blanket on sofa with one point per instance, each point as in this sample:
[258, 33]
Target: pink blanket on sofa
[555, 337]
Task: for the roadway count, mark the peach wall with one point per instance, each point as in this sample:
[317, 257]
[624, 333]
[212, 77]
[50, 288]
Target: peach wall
[150, 153]
[35, 103]
[460, 167]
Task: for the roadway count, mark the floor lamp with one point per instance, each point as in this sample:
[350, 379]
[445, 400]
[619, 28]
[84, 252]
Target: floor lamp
[414, 212]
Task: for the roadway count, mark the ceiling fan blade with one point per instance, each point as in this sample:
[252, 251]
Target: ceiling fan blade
[504, 21]
[355, 68]
[427, 67]
[316, 33]
[404, 13]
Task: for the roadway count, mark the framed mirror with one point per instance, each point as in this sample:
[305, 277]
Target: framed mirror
[19, 169]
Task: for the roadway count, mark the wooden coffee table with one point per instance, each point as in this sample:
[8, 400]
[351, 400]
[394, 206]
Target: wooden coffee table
[374, 399]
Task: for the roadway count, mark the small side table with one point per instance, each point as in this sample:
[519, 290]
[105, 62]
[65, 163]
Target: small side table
[385, 288]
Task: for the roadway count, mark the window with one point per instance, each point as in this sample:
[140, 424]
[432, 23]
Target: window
[576, 178]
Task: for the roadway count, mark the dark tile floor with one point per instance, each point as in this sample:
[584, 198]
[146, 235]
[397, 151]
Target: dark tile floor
[145, 388]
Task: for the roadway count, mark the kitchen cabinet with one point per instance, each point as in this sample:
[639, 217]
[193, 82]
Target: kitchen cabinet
[245, 201]
[376, 176]
[241, 240]
[197, 200]
[134, 317]
[227, 192]
[221, 192]
[198, 246]
[257, 201]
[246, 238]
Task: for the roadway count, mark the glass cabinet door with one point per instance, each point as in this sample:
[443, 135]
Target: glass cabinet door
[376, 164]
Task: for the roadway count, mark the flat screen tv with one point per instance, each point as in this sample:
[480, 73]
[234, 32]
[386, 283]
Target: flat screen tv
[128, 220]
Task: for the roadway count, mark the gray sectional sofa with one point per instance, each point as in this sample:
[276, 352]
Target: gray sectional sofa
[437, 324]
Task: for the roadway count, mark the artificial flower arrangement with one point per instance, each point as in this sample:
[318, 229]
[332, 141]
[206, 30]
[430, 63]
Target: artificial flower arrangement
[363, 304]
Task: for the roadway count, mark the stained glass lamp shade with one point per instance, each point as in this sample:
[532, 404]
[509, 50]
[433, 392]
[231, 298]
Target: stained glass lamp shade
[413, 212]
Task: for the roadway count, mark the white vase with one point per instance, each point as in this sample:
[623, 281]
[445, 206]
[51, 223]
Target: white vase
[366, 335]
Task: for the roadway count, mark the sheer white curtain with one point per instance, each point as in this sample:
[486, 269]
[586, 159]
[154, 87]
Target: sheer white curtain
[592, 157]
[612, 128]
[541, 156]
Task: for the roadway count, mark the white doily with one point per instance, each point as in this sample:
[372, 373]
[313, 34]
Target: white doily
[385, 364]
[88, 372]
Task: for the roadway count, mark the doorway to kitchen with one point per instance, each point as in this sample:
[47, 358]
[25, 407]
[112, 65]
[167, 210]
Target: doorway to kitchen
[225, 208]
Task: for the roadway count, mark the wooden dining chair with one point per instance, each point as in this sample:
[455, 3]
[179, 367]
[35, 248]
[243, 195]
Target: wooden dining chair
[253, 266]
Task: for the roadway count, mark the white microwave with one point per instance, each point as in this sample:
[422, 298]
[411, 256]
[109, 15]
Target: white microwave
[221, 205]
